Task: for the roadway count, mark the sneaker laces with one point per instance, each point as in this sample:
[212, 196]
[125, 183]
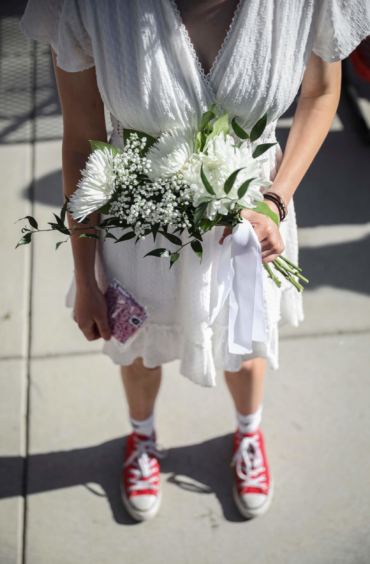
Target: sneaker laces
[143, 461]
[249, 456]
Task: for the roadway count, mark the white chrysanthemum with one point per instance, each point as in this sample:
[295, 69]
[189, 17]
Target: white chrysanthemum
[170, 153]
[221, 159]
[96, 186]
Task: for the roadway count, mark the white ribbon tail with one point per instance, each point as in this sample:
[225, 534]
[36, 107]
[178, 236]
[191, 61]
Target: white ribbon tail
[240, 276]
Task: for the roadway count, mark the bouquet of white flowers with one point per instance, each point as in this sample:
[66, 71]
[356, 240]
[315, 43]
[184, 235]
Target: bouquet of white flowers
[183, 181]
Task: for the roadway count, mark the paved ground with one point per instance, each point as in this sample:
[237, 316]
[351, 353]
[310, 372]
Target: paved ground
[63, 419]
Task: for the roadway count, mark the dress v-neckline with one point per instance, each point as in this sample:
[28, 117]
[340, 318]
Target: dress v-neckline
[206, 77]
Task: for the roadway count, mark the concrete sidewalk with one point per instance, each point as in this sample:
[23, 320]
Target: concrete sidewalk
[63, 418]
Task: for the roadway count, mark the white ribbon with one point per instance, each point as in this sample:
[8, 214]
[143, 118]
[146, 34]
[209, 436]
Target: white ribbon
[240, 275]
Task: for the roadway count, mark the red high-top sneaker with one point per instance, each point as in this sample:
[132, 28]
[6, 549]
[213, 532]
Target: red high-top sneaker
[140, 486]
[253, 486]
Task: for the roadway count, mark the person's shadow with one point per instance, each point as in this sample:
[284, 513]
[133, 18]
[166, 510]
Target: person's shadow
[202, 469]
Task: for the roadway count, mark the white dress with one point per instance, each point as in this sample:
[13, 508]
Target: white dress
[150, 79]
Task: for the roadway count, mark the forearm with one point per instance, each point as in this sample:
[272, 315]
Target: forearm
[83, 249]
[311, 124]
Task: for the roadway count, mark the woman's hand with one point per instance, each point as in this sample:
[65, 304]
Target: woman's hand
[267, 232]
[91, 312]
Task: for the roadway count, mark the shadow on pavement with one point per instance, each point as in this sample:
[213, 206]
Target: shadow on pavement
[206, 463]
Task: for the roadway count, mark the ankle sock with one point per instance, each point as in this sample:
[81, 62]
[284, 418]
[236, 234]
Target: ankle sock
[249, 423]
[144, 426]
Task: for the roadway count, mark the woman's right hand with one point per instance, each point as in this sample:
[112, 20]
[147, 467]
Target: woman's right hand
[91, 312]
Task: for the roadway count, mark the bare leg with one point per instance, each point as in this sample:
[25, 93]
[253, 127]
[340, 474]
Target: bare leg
[246, 386]
[141, 386]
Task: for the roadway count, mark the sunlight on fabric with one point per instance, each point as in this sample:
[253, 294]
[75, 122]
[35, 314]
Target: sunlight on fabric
[326, 235]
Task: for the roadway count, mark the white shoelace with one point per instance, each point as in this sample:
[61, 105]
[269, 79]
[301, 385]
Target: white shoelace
[249, 455]
[144, 465]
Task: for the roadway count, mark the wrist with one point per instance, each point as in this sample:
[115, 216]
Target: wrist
[273, 207]
[85, 282]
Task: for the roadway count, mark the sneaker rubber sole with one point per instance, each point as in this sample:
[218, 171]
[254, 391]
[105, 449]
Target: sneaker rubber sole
[258, 511]
[141, 515]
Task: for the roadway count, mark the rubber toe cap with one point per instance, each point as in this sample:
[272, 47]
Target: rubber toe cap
[142, 502]
[253, 501]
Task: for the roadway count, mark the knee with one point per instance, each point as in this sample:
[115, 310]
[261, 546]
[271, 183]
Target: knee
[138, 367]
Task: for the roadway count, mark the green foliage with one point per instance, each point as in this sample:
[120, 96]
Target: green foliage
[110, 236]
[206, 118]
[155, 229]
[244, 187]
[101, 145]
[197, 248]
[172, 238]
[64, 209]
[262, 207]
[206, 182]
[221, 125]
[229, 182]
[258, 128]
[104, 209]
[239, 131]
[173, 258]
[89, 235]
[126, 237]
[157, 252]
[199, 213]
[25, 240]
[58, 244]
[260, 149]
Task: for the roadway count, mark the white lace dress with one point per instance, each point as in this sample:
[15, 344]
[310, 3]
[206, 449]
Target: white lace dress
[151, 80]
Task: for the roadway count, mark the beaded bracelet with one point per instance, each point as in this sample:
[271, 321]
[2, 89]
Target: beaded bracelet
[278, 199]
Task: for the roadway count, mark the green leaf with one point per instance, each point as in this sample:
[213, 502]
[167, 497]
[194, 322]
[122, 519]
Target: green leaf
[262, 207]
[58, 244]
[198, 249]
[244, 187]
[258, 128]
[221, 125]
[100, 145]
[196, 235]
[174, 257]
[199, 213]
[149, 139]
[110, 236]
[206, 118]
[204, 224]
[215, 221]
[104, 209]
[155, 229]
[63, 210]
[229, 182]
[60, 228]
[239, 131]
[175, 240]
[25, 240]
[156, 253]
[260, 149]
[212, 107]
[126, 237]
[32, 221]
[206, 183]
[89, 235]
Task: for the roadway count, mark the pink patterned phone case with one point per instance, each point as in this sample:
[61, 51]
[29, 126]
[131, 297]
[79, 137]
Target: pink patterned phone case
[125, 315]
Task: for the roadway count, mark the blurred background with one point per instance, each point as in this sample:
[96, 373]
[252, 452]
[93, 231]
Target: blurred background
[63, 418]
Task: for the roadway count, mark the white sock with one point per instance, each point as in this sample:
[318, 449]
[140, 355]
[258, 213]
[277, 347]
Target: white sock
[144, 426]
[249, 423]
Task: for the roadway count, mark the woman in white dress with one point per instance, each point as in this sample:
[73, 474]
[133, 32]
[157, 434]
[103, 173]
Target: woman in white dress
[156, 65]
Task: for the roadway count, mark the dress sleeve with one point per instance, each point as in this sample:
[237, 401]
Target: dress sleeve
[63, 24]
[341, 26]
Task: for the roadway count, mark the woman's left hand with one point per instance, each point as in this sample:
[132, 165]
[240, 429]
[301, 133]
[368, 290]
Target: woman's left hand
[267, 232]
